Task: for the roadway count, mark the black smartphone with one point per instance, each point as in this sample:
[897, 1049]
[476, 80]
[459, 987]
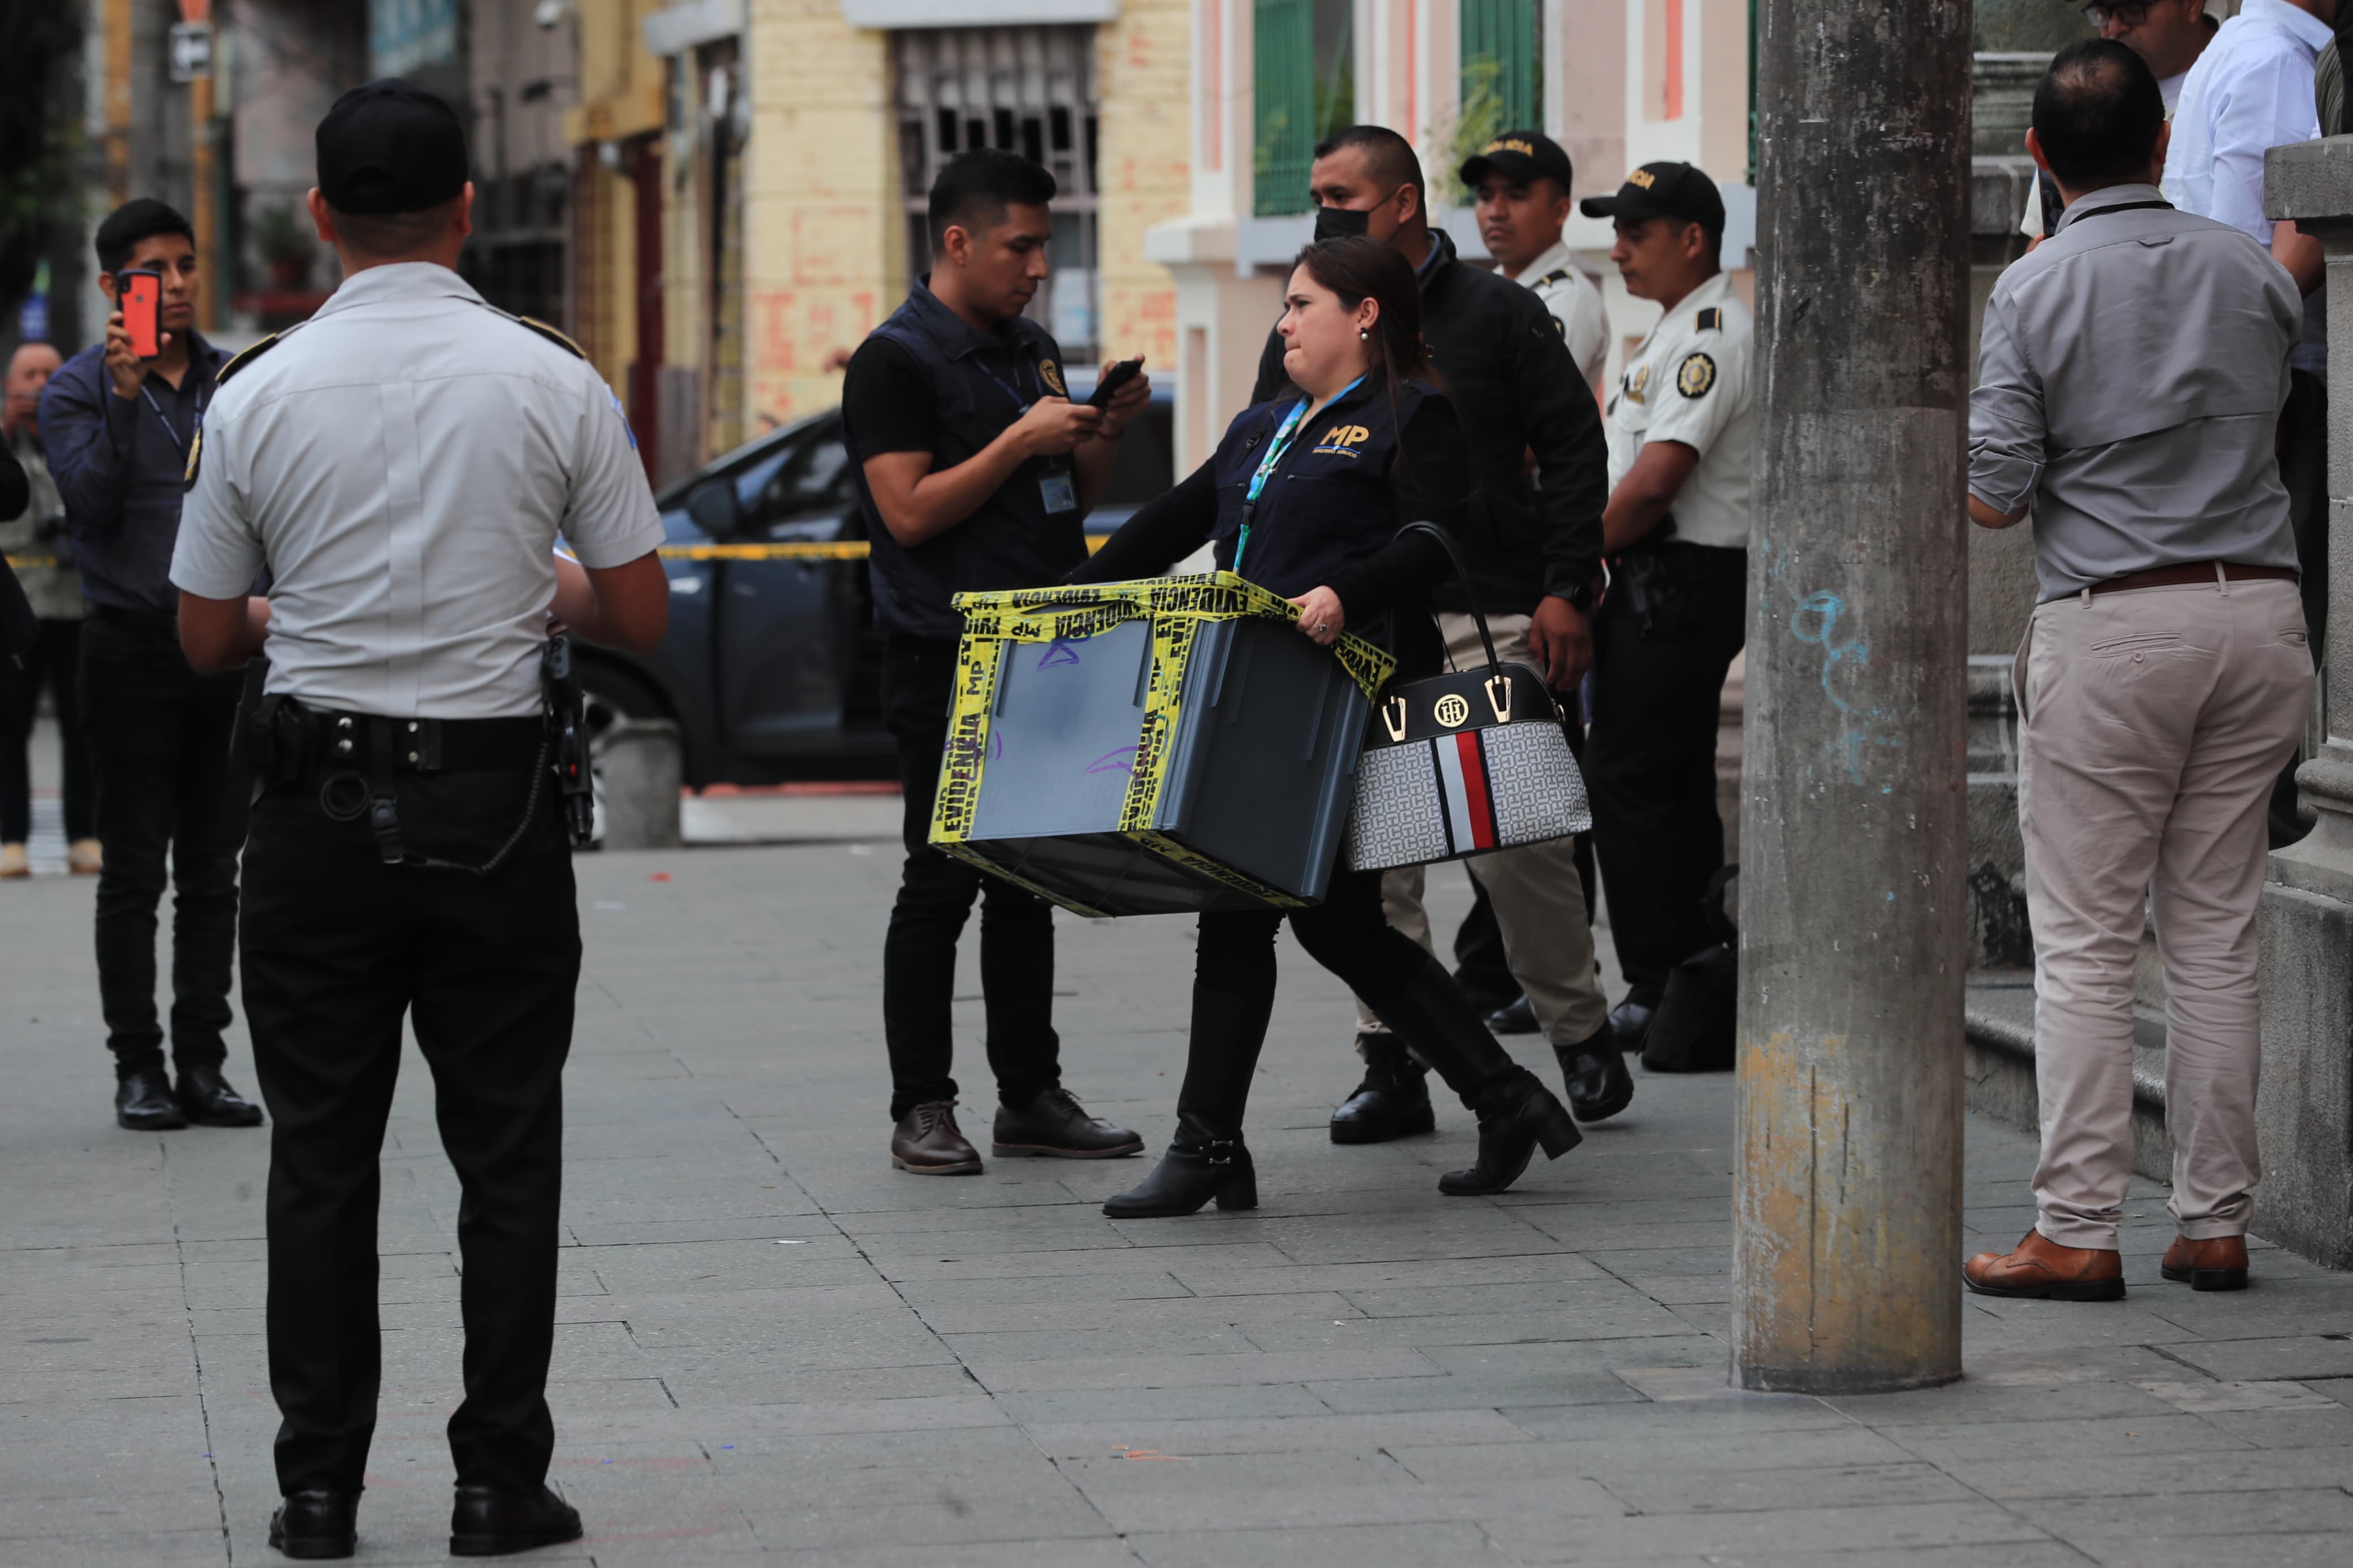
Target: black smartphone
[1114, 378]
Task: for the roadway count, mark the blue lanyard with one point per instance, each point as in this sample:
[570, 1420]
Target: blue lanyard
[1283, 436]
[177, 444]
[1019, 402]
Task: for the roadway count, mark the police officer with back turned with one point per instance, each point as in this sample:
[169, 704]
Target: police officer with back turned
[403, 462]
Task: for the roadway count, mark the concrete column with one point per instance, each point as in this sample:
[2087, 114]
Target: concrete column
[1847, 1203]
[2304, 1112]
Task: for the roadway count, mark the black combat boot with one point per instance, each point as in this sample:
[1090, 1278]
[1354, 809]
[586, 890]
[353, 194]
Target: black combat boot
[1515, 1112]
[1594, 1073]
[1393, 1099]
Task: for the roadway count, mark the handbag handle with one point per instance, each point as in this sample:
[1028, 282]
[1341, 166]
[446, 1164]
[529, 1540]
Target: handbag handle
[1461, 575]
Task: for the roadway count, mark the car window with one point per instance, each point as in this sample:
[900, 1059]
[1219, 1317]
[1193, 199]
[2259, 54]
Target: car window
[805, 476]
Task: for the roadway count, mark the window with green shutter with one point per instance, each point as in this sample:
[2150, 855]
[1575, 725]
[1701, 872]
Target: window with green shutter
[1502, 80]
[1304, 89]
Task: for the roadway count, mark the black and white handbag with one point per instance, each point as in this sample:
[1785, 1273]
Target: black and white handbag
[1463, 762]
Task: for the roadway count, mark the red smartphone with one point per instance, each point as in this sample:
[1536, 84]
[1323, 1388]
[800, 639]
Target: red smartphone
[142, 294]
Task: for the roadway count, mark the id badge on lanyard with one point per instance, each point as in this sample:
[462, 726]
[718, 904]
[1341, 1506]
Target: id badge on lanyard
[1056, 486]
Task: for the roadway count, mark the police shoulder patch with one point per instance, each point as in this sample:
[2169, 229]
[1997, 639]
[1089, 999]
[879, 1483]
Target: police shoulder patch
[197, 447]
[1711, 319]
[243, 357]
[1695, 375]
[553, 336]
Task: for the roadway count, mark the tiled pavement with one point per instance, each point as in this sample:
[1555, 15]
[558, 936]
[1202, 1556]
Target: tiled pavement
[771, 1344]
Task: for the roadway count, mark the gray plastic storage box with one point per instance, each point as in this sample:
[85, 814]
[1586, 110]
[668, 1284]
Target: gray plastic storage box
[1198, 754]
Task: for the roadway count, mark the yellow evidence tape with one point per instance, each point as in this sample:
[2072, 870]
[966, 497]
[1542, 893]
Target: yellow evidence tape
[825, 550]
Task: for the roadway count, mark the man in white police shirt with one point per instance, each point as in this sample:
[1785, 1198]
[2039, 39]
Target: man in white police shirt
[1680, 427]
[1522, 181]
[403, 463]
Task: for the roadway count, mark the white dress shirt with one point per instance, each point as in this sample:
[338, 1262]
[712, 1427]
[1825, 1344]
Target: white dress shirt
[1689, 383]
[2249, 92]
[1575, 303]
[403, 462]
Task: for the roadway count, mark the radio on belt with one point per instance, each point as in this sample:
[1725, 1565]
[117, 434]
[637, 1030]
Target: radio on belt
[1101, 754]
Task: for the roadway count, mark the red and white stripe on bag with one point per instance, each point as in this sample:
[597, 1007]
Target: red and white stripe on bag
[1462, 785]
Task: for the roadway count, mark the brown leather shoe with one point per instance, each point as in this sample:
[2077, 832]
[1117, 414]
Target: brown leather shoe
[1055, 1126]
[2217, 1263]
[2042, 1268]
[927, 1143]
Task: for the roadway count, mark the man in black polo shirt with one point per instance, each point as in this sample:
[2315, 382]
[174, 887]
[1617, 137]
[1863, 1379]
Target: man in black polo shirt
[117, 431]
[974, 471]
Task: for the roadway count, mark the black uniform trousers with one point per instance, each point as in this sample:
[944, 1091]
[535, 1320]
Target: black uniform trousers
[1650, 755]
[338, 948]
[158, 734]
[54, 659]
[935, 897]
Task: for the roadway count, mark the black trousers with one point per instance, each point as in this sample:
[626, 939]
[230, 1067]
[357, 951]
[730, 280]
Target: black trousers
[935, 897]
[1650, 756]
[1348, 933]
[54, 658]
[159, 735]
[338, 948]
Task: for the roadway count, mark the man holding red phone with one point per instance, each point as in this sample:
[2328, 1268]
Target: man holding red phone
[118, 426]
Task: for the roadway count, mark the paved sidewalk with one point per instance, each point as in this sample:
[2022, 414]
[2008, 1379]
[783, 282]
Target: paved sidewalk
[775, 1347]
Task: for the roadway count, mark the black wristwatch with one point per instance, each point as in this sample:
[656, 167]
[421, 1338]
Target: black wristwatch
[1582, 597]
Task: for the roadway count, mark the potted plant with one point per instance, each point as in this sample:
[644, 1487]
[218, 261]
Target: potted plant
[283, 244]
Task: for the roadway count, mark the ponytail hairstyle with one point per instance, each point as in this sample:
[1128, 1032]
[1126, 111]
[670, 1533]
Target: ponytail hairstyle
[1359, 268]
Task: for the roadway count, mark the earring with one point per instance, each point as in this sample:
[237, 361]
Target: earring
[1363, 336]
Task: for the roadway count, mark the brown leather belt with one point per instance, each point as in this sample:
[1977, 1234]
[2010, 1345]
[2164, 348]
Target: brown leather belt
[2189, 573]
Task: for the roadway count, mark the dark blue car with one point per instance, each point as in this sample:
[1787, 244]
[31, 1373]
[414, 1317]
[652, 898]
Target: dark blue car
[771, 667]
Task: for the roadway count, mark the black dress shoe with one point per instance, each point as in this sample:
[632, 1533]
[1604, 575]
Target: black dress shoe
[318, 1523]
[1631, 1023]
[1393, 1099]
[1599, 1086]
[144, 1102]
[1055, 1126]
[206, 1099]
[1516, 1115]
[1517, 1018]
[487, 1522]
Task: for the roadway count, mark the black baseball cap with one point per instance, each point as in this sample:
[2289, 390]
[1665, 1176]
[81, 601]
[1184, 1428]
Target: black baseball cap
[390, 146]
[1663, 190]
[1519, 156]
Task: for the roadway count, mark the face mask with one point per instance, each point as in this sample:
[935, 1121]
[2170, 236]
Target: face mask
[1342, 223]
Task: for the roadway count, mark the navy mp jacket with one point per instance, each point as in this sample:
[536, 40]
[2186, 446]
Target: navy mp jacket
[1329, 514]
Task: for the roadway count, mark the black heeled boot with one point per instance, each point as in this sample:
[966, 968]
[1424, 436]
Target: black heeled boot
[1516, 1116]
[1517, 1113]
[1199, 1168]
[1208, 1160]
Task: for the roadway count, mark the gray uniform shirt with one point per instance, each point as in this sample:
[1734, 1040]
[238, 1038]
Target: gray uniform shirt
[403, 462]
[2129, 381]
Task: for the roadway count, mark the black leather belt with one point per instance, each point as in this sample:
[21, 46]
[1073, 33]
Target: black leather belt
[343, 742]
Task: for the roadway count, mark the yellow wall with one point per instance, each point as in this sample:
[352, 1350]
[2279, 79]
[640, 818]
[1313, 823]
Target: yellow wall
[822, 231]
[1142, 79]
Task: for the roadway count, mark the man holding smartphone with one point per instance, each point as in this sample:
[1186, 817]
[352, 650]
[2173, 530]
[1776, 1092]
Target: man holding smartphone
[118, 427]
[975, 472]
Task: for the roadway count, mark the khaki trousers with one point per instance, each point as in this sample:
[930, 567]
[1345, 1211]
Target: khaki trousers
[2152, 722]
[1539, 903]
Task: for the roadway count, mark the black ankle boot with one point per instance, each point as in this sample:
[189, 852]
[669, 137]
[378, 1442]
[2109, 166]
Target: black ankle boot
[1393, 1099]
[1196, 1169]
[1595, 1074]
[1514, 1117]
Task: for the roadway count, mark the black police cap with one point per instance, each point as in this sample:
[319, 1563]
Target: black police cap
[390, 146]
[1663, 190]
[1520, 156]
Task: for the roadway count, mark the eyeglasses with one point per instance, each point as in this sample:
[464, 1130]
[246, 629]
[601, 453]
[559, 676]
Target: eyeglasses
[2131, 12]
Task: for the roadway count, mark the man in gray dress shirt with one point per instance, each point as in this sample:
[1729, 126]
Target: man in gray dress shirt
[2131, 378]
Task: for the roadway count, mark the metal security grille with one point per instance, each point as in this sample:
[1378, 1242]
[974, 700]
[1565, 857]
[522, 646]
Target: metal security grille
[1284, 89]
[1029, 90]
[1502, 77]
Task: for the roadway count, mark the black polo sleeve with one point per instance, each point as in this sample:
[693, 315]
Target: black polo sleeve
[885, 405]
[1563, 427]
